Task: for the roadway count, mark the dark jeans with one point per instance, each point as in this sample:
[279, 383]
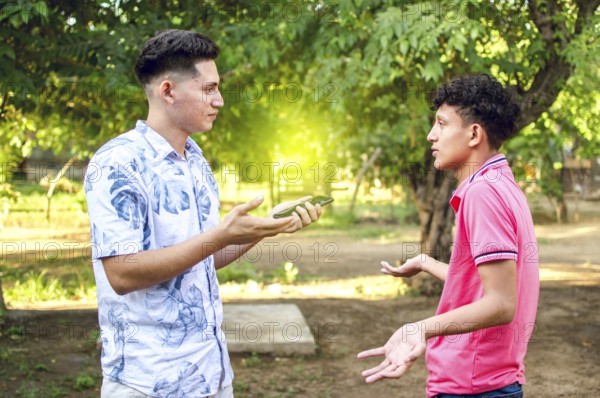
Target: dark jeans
[511, 391]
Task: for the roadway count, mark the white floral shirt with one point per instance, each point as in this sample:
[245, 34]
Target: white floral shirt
[164, 341]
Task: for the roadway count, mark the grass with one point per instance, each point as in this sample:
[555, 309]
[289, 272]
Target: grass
[366, 288]
[35, 287]
[29, 211]
[84, 381]
[51, 267]
[33, 278]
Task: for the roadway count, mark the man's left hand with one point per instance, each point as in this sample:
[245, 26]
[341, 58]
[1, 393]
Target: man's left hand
[405, 346]
[304, 217]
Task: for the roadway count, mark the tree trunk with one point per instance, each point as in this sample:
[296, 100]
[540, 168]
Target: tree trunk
[2, 303]
[432, 190]
[560, 207]
[361, 174]
[52, 186]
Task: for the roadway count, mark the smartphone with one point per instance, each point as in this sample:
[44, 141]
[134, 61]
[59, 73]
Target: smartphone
[320, 199]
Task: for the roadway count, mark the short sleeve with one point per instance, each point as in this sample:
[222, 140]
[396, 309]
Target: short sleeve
[489, 224]
[117, 208]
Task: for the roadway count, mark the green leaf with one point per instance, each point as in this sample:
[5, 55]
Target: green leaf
[433, 69]
[6, 50]
[403, 46]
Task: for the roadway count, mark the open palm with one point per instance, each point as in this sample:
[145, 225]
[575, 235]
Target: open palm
[402, 349]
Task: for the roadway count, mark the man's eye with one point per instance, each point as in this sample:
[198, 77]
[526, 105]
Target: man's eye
[441, 124]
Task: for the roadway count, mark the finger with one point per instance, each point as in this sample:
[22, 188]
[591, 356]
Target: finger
[386, 268]
[251, 205]
[312, 211]
[298, 224]
[303, 214]
[374, 352]
[287, 228]
[295, 225]
[275, 225]
[376, 369]
[319, 209]
[392, 372]
[387, 372]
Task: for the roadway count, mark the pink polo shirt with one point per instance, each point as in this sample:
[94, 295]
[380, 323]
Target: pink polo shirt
[493, 222]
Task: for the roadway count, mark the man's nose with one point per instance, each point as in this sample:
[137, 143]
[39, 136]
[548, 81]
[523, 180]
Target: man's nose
[218, 101]
[432, 136]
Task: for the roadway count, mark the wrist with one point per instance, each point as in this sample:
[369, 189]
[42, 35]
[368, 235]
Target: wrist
[426, 331]
[419, 330]
[222, 234]
[424, 263]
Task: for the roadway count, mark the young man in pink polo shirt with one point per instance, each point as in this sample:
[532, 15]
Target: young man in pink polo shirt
[476, 343]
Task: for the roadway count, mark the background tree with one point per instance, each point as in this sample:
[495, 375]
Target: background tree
[364, 70]
[388, 57]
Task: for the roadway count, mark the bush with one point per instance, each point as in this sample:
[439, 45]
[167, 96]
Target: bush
[84, 381]
[238, 273]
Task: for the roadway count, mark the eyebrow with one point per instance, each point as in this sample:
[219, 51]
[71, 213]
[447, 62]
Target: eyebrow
[209, 85]
[441, 117]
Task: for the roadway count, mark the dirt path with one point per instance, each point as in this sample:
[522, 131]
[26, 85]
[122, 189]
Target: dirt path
[563, 353]
[48, 352]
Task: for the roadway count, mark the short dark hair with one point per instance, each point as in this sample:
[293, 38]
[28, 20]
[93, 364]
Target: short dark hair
[173, 50]
[481, 99]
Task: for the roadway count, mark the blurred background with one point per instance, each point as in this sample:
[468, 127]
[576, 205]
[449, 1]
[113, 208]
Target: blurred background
[321, 97]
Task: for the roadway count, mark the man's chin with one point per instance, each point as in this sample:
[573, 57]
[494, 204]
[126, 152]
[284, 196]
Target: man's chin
[439, 165]
[203, 129]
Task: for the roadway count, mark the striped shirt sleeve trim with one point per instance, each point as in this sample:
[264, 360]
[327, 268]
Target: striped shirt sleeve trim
[496, 255]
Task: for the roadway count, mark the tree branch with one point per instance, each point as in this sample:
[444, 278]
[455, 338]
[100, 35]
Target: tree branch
[4, 103]
[549, 80]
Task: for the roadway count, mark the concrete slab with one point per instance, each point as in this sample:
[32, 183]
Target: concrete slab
[278, 329]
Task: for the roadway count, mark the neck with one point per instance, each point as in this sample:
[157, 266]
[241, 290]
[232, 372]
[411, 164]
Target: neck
[474, 163]
[170, 132]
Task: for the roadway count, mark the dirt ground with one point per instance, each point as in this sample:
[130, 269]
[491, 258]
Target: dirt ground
[51, 353]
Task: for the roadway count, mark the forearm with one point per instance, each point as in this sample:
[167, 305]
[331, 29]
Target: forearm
[231, 253]
[490, 310]
[497, 306]
[434, 267]
[131, 272]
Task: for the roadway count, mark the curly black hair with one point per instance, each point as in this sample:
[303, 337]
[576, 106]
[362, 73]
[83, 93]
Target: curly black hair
[173, 50]
[481, 99]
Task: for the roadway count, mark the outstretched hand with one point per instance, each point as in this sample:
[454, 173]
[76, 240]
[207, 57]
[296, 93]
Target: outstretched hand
[242, 227]
[411, 267]
[405, 346]
[302, 217]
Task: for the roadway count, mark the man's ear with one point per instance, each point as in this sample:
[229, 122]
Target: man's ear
[478, 135]
[165, 90]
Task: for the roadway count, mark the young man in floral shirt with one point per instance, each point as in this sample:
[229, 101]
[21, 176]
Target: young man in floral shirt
[157, 236]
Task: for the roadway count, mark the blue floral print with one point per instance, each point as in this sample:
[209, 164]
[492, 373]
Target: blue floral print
[188, 383]
[142, 195]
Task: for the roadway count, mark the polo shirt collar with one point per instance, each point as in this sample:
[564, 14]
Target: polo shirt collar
[162, 146]
[494, 162]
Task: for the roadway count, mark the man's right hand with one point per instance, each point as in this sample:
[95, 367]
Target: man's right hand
[240, 227]
[410, 268]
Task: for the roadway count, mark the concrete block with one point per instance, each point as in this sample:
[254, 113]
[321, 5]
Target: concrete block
[278, 329]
